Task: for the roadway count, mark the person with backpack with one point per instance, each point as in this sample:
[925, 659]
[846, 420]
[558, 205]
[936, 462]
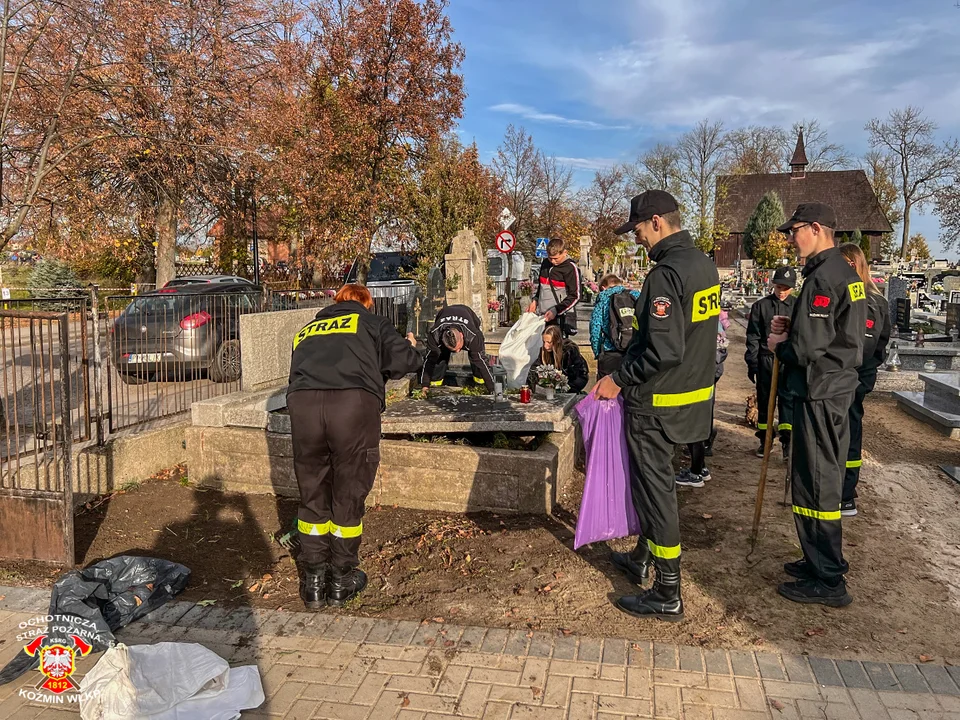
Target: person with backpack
[558, 291]
[611, 324]
[565, 356]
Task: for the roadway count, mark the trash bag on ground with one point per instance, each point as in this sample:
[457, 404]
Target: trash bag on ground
[606, 510]
[520, 347]
[167, 681]
[101, 598]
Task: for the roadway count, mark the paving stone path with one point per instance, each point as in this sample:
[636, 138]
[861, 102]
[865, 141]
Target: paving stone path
[333, 666]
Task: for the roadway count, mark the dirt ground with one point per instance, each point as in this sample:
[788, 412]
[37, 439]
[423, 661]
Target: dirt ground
[521, 572]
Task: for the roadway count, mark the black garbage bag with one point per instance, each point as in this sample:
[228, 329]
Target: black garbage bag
[90, 604]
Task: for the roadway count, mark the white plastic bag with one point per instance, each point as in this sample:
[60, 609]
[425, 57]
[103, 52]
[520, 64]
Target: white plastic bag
[520, 347]
[167, 681]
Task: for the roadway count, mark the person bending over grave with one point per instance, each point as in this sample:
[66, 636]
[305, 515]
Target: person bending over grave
[564, 355]
[456, 328]
[335, 398]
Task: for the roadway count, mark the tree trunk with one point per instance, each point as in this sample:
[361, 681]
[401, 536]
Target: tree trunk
[166, 241]
[906, 231]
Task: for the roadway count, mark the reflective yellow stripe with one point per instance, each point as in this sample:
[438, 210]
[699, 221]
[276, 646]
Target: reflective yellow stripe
[436, 383]
[761, 426]
[344, 531]
[479, 381]
[854, 463]
[331, 528]
[785, 426]
[817, 514]
[313, 528]
[687, 398]
[667, 553]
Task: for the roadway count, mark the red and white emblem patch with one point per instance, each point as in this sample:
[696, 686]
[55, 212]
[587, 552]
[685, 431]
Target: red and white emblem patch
[660, 308]
[821, 301]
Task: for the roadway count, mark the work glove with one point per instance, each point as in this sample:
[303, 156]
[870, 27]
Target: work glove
[752, 375]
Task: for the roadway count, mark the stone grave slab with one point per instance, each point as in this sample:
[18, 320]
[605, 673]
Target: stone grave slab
[453, 413]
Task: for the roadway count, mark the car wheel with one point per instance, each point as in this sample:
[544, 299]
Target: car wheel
[134, 378]
[225, 367]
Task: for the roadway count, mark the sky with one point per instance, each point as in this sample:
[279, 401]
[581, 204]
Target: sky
[597, 82]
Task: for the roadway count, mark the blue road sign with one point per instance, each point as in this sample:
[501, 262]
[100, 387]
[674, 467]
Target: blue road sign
[542, 247]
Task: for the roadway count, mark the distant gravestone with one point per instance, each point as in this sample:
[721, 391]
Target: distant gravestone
[897, 288]
[434, 300]
[953, 316]
[466, 266]
[901, 314]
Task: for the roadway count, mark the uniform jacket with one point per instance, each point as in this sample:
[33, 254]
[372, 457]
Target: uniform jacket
[559, 287]
[600, 320]
[669, 368]
[877, 336]
[573, 366]
[347, 346]
[466, 321]
[825, 345]
[758, 326]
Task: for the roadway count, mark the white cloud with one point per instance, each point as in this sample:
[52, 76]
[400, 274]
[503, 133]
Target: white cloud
[529, 113]
[587, 163]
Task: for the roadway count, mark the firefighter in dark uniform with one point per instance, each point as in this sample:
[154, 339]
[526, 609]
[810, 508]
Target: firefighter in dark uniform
[760, 359]
[875, 339]
[456, 328]
[667, 378]
[335, 398]
[821, 347]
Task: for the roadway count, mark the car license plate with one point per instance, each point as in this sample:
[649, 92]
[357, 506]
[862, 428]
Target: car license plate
[145, 358]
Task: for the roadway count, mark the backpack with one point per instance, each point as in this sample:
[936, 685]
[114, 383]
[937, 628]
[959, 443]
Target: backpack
[622, 312]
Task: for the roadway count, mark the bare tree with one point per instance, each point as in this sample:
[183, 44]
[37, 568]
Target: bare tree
[517, 165]
[880, 170]
[656, 169]
[821, 153]
[701, 156]
[756, 149]
[555, 183]
[922, 165]
[604, 205]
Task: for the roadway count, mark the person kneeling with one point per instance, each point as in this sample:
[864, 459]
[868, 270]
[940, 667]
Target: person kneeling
[564, 355]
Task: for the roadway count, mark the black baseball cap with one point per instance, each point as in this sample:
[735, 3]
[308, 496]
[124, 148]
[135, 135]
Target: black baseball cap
[785, 276]
[811, 213]
[646, 205]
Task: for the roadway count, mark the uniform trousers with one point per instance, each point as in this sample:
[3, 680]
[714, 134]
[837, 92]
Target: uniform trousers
[336, 453]
[654, 490]
[821, 436]
[784, 400]
[854, 461]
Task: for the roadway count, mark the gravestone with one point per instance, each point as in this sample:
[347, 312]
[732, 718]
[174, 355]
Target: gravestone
[586, 266]
[897, 288]
[953, 316]
[901, 314]
[951, 284]
[466, 266]
[434, 300]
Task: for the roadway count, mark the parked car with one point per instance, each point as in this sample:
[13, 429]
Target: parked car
[208, 280]
[389, 275]
[183, 329]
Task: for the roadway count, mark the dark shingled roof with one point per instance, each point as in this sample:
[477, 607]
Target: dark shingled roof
[848, 192]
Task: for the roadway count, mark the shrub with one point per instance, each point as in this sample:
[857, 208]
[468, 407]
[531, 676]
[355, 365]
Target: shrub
[53, 279]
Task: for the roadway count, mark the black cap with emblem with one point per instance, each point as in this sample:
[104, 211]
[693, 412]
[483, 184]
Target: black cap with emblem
[785, 276]
[646, 205]
[813, 212]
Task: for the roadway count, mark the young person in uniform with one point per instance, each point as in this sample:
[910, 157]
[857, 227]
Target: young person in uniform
[611, 324]
[455, 328]
[335, 398]
[820, 347]
[558, 290]
[760, 360]
[667, 379]
[875, 339]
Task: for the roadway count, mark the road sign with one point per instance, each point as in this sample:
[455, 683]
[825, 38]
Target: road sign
[542, 247]
[507, 219]
[506, 241]
[6, 293]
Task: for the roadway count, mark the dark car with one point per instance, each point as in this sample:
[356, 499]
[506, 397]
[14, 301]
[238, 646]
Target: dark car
[217, 280]
[183, 330]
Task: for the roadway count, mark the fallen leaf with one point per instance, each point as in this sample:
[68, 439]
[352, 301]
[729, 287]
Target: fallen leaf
[137, 600]
[902, 632]
[254, 587]
[707, 516]
[238, 583]
[438, 620]
[206, 603]
[266, 595]
[926, 658]
[449, 643]
[267, 577]
[776, 704]
[815, 631]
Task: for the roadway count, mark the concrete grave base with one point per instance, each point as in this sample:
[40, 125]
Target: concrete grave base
[416, 475]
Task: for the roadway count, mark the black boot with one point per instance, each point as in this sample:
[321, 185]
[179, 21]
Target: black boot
[662, 601]
[345, 584]
[816, 591]
[634, 564]
[313, 586]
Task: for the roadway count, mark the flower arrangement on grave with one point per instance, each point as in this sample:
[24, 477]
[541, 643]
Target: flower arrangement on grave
[526, 287]
[493, 306]
[549, 377]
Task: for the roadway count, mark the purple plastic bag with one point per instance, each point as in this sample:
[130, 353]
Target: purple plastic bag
[606, 511]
